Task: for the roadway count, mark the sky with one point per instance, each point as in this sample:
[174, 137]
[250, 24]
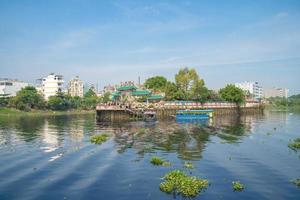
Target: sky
[105, 42]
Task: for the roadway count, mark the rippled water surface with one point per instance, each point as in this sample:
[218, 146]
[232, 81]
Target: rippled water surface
[52, 157]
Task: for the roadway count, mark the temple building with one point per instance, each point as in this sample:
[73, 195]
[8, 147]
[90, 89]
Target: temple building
[128, 92]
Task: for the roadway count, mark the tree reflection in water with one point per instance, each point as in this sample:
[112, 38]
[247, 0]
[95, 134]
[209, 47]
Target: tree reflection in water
[188, 140]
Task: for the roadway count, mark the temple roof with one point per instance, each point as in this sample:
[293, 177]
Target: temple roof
[127, 87]
[141, 93]
[155, 97]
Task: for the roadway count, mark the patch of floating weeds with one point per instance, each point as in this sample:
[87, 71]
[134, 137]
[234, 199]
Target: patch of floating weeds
[180, 183]
[295, 144]
[99, 139]
[167, 164]
[159, 161]
[237, 186]
[296, 182]
[188, 165]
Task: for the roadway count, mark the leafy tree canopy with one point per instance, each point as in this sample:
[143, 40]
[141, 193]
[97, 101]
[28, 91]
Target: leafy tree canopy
[28, 98]
[156, 83]
[232, 93]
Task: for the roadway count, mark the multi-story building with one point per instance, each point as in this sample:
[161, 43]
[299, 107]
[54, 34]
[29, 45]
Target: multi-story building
[276, 92]
[50, 85]
[10, 87]
[253, 88]
[75, 87]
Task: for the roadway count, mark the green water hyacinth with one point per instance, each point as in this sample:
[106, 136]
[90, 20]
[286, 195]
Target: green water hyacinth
[296, 182]
[159, 161]
[99, 139]
[188, 165]
[237, 186]
[295, 144]
[180, 183]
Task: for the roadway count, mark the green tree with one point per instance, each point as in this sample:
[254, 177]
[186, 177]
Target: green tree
[199, 92]
[90, 93]
[75, 102]
[28, 98]
[173, 92]
[156, 83]
[185, 79]
[106, 97]
[232, 93]
[59, 102]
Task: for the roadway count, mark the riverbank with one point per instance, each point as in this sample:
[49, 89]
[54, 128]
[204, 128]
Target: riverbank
[283, 108]
[15, 112]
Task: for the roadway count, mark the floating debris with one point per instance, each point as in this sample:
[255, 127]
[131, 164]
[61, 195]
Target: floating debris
[237, 186]
[180, 183]
[99, 139]
[295, 144]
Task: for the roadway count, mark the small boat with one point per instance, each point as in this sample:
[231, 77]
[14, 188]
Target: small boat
[194, 114]
[150, 116]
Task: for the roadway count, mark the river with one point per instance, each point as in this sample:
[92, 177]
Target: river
[53, 158]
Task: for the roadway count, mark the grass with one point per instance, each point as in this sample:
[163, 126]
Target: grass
[295, 144]
[188, 165]
[296, 182]
[237, 186]
[99, 139]
[180, 183]
[159, 161]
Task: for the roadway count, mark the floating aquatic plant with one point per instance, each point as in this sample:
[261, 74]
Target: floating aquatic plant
[180, 183]
[159, 161]
[188, 165]
[295, 144]
[237, 186]
[296, 182]
[99, 139]
[167, 164]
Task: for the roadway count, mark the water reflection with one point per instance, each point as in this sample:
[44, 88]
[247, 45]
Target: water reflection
[185, 138]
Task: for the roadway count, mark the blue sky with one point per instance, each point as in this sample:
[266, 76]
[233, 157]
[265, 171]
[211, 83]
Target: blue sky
[113, 41]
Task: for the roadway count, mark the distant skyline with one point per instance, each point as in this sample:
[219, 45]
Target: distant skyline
[106, 42]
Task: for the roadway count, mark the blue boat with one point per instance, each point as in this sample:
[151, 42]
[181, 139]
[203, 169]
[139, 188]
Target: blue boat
[194, 114]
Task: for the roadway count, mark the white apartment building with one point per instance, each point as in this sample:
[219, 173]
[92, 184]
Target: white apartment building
[276, 92]
[75, 87]
[50, 85]
[252, 87]
[10, 87]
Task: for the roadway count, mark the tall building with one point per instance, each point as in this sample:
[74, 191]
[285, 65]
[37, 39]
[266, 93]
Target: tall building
[276, 92]
[254, 89]
[75, 87]
[10, 87]
[50, 85]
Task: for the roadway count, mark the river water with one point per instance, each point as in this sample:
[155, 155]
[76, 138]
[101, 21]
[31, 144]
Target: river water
[52, 157]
